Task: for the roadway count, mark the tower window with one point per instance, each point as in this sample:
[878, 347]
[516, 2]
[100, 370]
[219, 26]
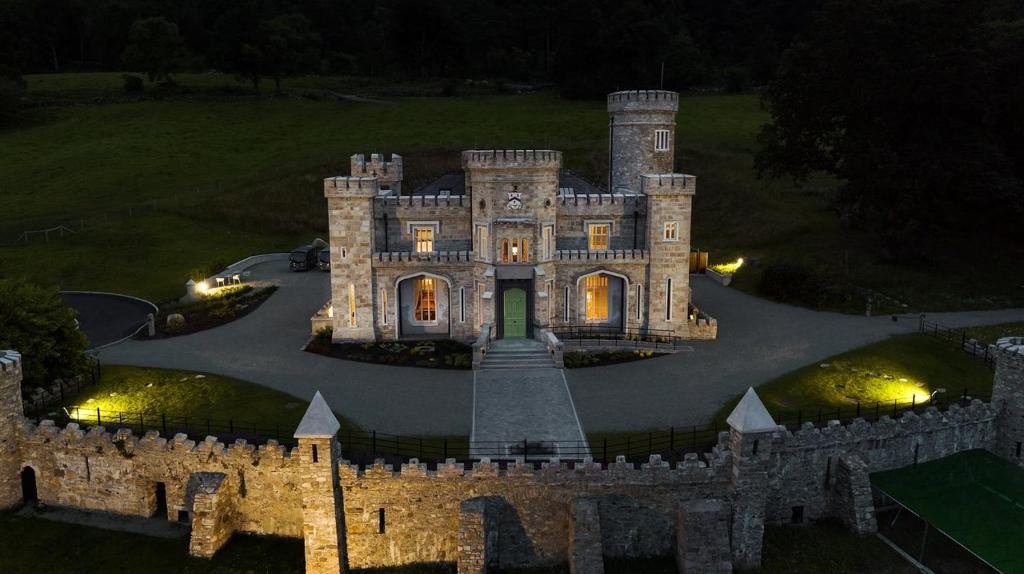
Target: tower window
[384, 306]
[597, 297]
[639, 301]
[481, 242]
[662, 140]
[668, 299]
[351, 305]
[424, 237]
[671, 231]
[598, 236]
[462, 304]
[565, 306]
[547, 240]
[426, 299]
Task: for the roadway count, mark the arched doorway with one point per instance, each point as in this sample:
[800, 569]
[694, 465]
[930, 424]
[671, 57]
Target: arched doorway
[29, 493]
[424, 301]
[601, 297]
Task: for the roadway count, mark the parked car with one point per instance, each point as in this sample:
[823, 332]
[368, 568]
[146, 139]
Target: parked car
[303, 258]
[325, 259]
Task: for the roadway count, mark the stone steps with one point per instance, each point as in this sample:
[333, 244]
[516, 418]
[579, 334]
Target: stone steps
[518, 355]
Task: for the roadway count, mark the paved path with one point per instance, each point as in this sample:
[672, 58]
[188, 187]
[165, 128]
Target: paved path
[757, 341]
[263, 347]
[512, 405]
[106, 318]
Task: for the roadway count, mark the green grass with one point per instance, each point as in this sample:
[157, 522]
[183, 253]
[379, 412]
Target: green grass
[31, 545]
[989, 334]
[903, 368]
[194, 395]
[225, 174]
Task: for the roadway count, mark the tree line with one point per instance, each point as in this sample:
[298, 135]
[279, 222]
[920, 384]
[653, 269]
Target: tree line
[586, 47]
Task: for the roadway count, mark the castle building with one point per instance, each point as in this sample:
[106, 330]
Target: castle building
[513, 243]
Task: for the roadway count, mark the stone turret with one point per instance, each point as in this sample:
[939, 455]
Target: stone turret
[387, 172]
[750, 431]
[641, 135]
[11, 413]
[323, 518]
[1008, 391]
[669, 208]
[350, 219]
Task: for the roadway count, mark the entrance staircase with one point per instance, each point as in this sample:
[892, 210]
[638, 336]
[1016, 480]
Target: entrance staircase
[517, 354]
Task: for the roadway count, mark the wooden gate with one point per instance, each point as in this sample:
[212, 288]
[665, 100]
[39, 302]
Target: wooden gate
[698, 261]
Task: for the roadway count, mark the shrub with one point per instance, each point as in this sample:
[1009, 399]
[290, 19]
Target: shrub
[132, 83]
[37, 323]
[801, 285]
[325, 333]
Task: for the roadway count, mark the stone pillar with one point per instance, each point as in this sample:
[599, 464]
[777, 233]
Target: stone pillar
[478, 531]
[669, 201]
[586, 552]
[11, 412]
[213, 513]
[851, 496]
[702, 537]
[751, 431]
[1008, 393]
[350, 218]
[323, 520]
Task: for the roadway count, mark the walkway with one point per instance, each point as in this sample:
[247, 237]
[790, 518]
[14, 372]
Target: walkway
[264, 347]
[758, 340]
[107, 318]
[511, 406]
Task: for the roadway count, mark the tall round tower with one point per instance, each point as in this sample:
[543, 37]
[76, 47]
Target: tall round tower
[641, 136]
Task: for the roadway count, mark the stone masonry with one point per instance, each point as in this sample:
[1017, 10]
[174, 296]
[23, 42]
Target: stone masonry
[709, 510]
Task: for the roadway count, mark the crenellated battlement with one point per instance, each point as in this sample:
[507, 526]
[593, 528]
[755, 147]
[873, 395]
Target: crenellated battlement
[385, 170]
[351, 186]
[512, 159]
[10, 361]
[643, 101]
[668, 183]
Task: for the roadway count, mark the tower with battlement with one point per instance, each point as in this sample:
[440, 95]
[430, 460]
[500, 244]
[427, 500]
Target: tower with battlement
[350, 211]
[11, 413]
[669, 208]
[641, 136]
[387, 172]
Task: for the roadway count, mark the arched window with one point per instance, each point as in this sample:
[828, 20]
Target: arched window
[426, 299]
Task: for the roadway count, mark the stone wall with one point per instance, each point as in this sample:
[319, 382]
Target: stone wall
[10, 411]
[452, 216]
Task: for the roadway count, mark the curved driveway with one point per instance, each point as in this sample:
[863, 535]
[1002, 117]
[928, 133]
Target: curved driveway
[758, 340]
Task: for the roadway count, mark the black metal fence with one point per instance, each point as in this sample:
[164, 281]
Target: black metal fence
[628, 338]
[958, 337]
[60, 393]
[364, 447]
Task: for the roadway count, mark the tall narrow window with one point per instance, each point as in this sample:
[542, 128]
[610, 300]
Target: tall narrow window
[671, 231]
[384, 306]
[598, 236]
[462, 304]
[505, 253]
[551, 300]
[639, 301]
[351, 305]
[481, 242]
[426, 299]
[565, 306]
[480, 303]
[424, 237]
[525, 247]
[515, 251]
[546, 234]
[668, 299]
[596, 287]
[662, 140]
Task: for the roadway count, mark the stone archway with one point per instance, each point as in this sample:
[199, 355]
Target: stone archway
[423, 306]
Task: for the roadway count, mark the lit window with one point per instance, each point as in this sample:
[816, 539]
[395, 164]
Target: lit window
[426, 299]
[384, 306]
[515, 251]
[671, 231]
[505, 253]
[424, 237]
[597, 297]
[662, 140]
[351, 305]
[525, 250]
[598, 236]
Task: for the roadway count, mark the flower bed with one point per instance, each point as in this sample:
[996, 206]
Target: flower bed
[579, 359]
[433, 353]
[213, 309]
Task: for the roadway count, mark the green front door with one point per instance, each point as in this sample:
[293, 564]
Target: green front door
[515, 313]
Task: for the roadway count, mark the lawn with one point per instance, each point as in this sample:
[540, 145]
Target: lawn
[31, 545]
[904, 368]
[197, 396]
[989, 334]
[160, 184]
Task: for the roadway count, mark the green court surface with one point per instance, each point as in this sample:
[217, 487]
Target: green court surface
[975, 497]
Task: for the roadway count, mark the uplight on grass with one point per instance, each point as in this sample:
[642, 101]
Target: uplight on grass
[730, 267]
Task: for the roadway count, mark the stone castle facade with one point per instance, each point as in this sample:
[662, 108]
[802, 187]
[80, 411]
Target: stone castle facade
[513, 244]
[709, 510]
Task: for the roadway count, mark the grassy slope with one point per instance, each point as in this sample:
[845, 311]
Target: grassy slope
[30, 545]
[925, 363]
[231, 175]
[180, 393]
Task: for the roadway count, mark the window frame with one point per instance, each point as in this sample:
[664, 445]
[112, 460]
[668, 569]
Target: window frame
[417, 296]
[416, 240]
[662, 140]
[675, 231]
[595, 289]
[591, 227]
[482, 250]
